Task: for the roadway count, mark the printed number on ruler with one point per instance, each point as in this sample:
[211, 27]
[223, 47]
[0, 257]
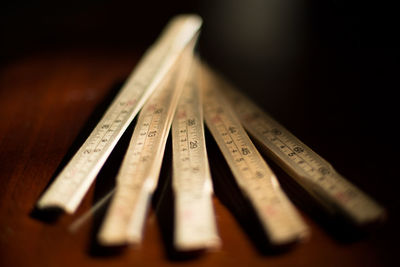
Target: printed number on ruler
[138, 176]
[195, 226]
[67, 191]
[280, 219]
[310, 170]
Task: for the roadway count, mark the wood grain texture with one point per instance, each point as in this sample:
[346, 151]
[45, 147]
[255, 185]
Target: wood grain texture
[48, 102]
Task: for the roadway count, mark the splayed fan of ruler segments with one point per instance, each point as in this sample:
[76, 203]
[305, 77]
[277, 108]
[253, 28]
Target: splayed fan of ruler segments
[70, 186]
[311, 171]
[174, 87]
[281, 221]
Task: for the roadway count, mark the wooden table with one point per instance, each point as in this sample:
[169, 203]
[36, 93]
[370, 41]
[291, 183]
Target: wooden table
[48, 103]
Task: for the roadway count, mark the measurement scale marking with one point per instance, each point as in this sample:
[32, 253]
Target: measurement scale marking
[138, 175]
[67, 191]
[294, 152]
[311, 171]
[195, 224]
[281, 222]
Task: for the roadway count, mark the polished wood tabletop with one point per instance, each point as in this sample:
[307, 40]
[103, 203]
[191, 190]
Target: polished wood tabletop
[49, 102]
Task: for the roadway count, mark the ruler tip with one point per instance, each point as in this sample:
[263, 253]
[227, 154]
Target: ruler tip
[189, 16]
[50, 206]
[212, 244]
[379, 218]
[118, 241]
[290, 240]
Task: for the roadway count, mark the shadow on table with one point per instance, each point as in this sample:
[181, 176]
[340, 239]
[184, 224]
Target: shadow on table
[105, 184]
[229, 193]
[334, 225]
[162, 203]
[51, 215]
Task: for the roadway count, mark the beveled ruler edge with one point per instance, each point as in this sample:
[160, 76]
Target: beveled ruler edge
[195, 225]
[294, 229]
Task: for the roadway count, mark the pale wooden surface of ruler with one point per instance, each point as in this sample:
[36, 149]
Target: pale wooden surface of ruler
[70, 186]
[310, 170]
[195, 226]
[138, 175]
[281, 221]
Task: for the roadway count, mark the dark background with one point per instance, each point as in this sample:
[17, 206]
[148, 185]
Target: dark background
[327, 70]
